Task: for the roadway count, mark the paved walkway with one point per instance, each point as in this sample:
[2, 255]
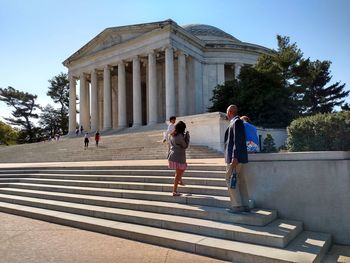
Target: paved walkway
[25, 240]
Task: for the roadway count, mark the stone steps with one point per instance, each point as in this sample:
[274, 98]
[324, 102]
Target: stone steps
[307, 247]
[128, 178]
[257, 217]
[141, 145]
[194, 199]
[157, 187]
[277, 234]
[136, 202]
[191, 171]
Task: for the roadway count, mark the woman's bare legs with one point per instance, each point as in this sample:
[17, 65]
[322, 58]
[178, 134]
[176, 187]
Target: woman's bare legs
[178, 178]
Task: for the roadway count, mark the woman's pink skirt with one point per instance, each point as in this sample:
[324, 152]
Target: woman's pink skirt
[175, 165]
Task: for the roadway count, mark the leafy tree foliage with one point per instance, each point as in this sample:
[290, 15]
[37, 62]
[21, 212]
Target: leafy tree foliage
[24, 106]
[269, 144]
[59, 92]
[320, 132]
[281, 87]
[223, 96]
[8, 135]
[320, 98]
[263, 98]
[345, 107]
[50, 120]
[258, 95]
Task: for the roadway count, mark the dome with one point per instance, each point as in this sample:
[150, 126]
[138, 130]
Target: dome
[209, 33]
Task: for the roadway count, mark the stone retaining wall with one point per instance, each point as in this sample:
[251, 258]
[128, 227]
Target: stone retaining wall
[313, 187]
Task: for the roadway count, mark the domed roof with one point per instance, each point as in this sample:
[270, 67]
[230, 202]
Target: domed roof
[207, 33]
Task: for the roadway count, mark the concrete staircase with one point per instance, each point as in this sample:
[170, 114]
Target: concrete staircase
[143, 143]
[136, 203]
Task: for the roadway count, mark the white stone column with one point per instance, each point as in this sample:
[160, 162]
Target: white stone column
[87, 114]
[152, 89]
[169, 83]
[107, 99]
[94, 102]
[221, 74]
[136, 89]
[238, 67]
[83, 101]
[72, 105]
[198, 86]
[121, 96]
[182, 84]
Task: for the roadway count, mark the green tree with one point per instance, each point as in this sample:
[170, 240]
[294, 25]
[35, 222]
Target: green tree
[8, 135]
[258, 95]
[50, 120]
[59, 92]
[269, 144]
[24, 106]
[262, 97]
[345, 107]
[223, 96]
[282, 86]
[318, 97]
[320, 132]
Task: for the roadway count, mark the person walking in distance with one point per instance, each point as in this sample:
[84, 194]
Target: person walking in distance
[170, 129]
[86, 141]
[236, 155]
[179, 141]
[97, 138]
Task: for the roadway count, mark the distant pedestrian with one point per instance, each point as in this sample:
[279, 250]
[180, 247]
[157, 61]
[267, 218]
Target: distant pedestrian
[86, 141]
[77, 131]
[97, 138]
[81, 129]
[179, 141]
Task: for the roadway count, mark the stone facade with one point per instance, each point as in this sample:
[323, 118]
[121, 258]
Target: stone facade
[143, 74]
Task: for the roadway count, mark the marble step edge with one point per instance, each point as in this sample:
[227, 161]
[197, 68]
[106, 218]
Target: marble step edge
[277, 234]
[161, 187]
[191, 167]
[307, 247]
[257, 217]
[194, 199]
[146, 173]
[220, 182]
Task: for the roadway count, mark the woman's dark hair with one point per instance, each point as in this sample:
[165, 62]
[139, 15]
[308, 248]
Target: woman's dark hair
[179, 128]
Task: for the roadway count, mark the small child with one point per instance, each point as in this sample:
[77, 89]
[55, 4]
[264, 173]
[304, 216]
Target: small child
[170, 129]
[86, 141]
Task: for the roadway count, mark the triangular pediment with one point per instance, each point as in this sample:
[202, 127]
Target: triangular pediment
[114, 36]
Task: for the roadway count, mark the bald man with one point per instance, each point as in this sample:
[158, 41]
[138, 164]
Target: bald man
[236, 155]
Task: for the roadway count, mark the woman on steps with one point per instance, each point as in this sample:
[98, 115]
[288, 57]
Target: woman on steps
[179, 141]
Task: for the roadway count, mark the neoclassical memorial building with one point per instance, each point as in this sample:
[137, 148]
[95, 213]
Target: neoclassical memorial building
[142, 74]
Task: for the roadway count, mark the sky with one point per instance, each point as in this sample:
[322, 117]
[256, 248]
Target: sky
[36, 36]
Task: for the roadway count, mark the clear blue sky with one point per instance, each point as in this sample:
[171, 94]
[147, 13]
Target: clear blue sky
[37, 35]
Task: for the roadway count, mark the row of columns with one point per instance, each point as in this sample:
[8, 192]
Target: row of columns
[86, 120]
[91, 120]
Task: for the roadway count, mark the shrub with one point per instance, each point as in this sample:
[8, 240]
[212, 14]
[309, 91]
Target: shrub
[320, 132]
[269, 144]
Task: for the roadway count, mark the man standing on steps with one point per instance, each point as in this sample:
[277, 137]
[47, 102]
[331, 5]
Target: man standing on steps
[235, 156]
